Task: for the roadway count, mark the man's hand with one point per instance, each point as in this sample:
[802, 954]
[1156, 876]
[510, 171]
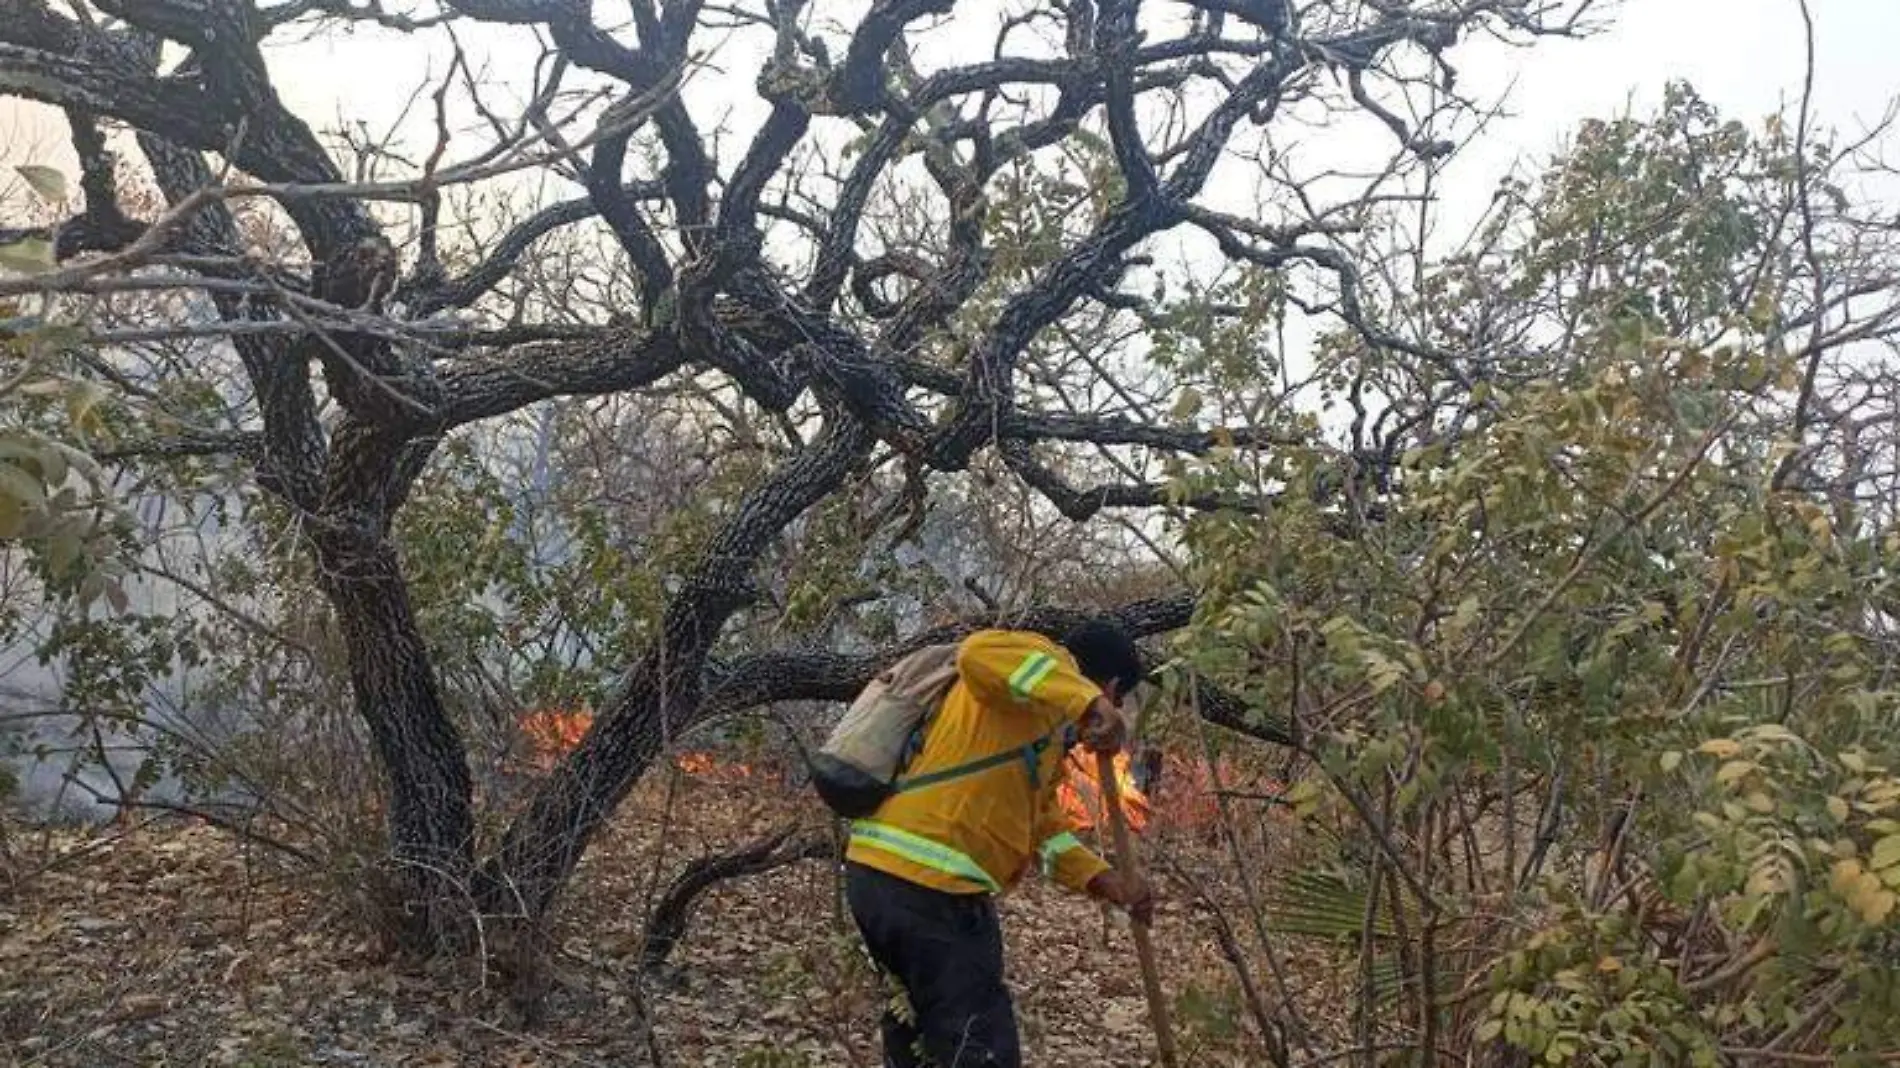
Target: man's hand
[1102, 728]
[1130, 893]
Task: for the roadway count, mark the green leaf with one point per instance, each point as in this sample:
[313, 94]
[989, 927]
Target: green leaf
[74, 459]
[28, 454]
[54, 466]
[18, 486]
[28, 256]
[1188, 404]
[12, 516]
[49, 184]
[1886, 853]
[60, 560]
[63, 550]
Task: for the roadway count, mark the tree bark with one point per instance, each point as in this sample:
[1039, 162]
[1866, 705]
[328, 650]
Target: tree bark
[430, 815]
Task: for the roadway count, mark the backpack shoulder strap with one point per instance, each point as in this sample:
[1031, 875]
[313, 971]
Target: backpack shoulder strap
[1030, 755]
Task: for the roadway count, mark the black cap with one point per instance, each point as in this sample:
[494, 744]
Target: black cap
[1106, 653]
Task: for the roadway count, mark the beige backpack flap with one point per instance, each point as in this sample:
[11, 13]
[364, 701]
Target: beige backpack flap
[874, 730]
[926, 675]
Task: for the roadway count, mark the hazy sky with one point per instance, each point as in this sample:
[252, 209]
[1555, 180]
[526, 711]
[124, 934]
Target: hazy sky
[1745, 56]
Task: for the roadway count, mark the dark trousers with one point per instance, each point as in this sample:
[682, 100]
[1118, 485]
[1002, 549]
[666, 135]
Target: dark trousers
[947, 951]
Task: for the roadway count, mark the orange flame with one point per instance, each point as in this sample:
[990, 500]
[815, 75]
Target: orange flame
[1081, 792]
[703, 765]
[1187, 800]
[553, 733]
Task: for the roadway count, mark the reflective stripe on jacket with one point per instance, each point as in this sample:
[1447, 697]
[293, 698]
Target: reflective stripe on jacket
[980, 833]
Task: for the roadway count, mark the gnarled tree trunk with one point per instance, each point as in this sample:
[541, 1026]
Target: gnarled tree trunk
[430, 804]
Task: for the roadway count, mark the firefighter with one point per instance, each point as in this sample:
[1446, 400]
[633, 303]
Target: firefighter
[922, 870]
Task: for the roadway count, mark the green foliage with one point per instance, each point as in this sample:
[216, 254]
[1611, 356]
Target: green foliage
[33, 255]
[55, 501]
[1325, 905]
[1593, 601]
[1588, 1004]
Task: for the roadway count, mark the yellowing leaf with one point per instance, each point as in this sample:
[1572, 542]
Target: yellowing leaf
[1672, 760]
[49, 184]
[1837, 808]
[28, 256]
[1771, 732]
[1188, 404]
[1885, 854]
[82, 402]
[1844, 876]
[1720, 748]
[1733, 770]
[1875, 906]
[1766, 878]
[1854, 762]
[1819, 527]
[1759, 802]
[1609, 964]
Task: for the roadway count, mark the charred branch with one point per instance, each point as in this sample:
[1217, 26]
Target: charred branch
[294, 448]
[667, 925]
[1081, 505]
[618, 209]
[825, 675]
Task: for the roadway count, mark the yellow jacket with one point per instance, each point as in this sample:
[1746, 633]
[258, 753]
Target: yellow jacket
[978, 833]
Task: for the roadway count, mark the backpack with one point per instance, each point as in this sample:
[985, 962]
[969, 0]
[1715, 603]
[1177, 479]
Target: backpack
[858, 767]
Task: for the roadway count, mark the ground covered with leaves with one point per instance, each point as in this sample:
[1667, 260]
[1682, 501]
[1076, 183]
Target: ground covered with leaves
[174, 944]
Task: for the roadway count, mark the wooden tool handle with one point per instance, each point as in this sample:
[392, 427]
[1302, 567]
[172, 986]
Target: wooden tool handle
[1144, 947]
